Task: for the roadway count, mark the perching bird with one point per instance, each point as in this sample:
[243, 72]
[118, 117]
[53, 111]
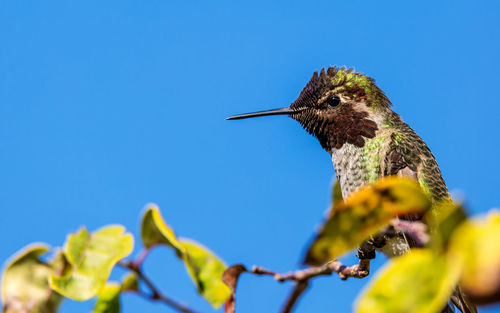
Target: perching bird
[353, 121]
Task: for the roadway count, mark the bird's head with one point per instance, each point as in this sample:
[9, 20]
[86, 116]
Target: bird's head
[337, 106]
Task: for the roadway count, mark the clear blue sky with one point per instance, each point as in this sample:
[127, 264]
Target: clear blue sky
[108, 105]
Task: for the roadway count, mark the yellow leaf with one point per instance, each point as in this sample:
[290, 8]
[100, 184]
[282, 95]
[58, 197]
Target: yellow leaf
[417, 282]
[204, 267]
[130, 282]
[25, 285]
[336, 193]
[155, 231]
[108, 300]
[476, 244]
[206, 270]
[364, 214]
[91, 258]
[443, 219]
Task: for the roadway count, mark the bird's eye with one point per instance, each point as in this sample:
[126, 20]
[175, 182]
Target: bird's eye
[333, 101]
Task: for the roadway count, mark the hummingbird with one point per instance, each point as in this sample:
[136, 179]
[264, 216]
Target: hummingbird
[353, 121]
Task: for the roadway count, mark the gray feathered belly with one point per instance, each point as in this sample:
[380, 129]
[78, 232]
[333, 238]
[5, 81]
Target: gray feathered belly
[352, 173]
[395, 246]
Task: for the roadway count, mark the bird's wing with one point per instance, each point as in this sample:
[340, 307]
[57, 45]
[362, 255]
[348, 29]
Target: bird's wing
[409, 156]
[395, 164]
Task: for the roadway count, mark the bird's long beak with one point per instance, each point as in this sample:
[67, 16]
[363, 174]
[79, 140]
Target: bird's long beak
[282, 111]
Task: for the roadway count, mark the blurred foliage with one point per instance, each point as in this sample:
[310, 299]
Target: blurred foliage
[130, 282]
[108, 300]
[91, 257]
[443, 220]
[81, 271]
[364, 214]
[336, 193]
[420, 281]
[476, 244]
[25, 282]
[460, 251]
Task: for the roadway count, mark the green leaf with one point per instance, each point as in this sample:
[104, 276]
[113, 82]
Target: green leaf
[420, 281]
[364, 214]
[336, 193]
[476, 245]
[203, 266]
[130, 282]
[108, 300]
[91, 258]
[25, 285]
[443, 219]
[206, 270]
[155, 231]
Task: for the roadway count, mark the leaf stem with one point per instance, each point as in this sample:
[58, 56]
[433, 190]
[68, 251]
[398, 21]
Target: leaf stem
[142, 255]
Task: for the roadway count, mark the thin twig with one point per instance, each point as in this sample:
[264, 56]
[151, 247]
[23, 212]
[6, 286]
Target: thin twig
[142, 255]
[297, 291]
[358, 271]
[156, 294]
[302, 277]
[415, 229]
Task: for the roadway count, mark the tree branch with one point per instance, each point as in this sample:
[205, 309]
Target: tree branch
[302, 277]
[358, 271]
[297, 291]
[415, 229]
[156, 294]
[142, 256]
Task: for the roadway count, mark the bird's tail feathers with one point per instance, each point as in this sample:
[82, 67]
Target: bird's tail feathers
[462, 302]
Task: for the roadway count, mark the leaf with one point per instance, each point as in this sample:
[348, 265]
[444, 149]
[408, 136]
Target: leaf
[420, 281]
[364, 214]
[130, 282]
[230, 278]
[25, 285]
[91, 258]
[108, 300]
[232, 274]
[206, 270]
[336, 193]
[155, 231]
[443, 219]
[476, 245]
[203, 266]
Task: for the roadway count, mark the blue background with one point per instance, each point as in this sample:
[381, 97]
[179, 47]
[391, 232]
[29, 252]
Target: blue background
[108, 105]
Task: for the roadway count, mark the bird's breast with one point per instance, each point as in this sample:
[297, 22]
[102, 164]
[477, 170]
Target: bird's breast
[356, 166]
